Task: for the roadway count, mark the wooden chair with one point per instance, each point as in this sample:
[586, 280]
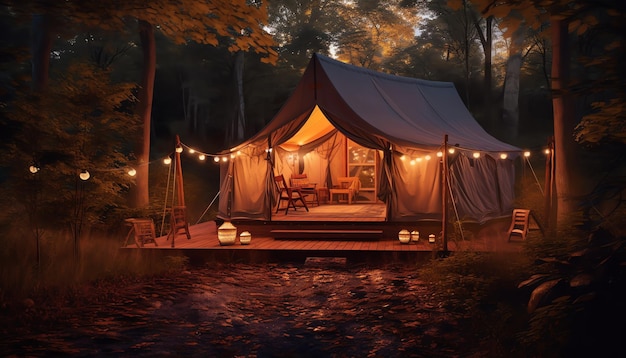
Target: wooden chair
[519, 224]
[308, 189]
[143, 231]
[178, 222]
[289, 194]
[348, 186]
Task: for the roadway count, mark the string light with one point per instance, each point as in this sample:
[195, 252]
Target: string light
[547, 151]
[33, 169]
[527, 154]
[167, 161]
[476, 155]
[439, 154]
[84, 175]
[179, 149]
[191, 150]
[202, 157]
[132, 172]
[451, 150]
[216, 159]
[503, 156]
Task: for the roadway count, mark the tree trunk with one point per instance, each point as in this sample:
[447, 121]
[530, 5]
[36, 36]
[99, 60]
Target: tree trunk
[486, 40]
[141, 196]
[41, 46]
[240, 119]
[567, 170]
[510, 101]
[238, 126]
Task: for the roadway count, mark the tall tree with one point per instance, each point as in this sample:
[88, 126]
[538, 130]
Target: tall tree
[239, 23]
[484, 29]
[373, 31]
[567, 17]
[41, 48]
[510, 89]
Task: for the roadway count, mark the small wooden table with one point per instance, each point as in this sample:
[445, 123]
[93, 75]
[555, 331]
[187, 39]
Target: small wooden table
[348, 192]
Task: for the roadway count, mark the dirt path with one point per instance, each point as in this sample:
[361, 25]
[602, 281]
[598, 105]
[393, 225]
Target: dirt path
[241, 310]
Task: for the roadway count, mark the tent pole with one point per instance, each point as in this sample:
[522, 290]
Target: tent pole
[444, 194]
[179, 174]
[549, 182]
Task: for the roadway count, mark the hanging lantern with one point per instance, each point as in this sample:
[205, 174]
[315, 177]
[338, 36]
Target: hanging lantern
[431, 238]
[415, 236]
[404, 236]
[227, 233]
[245, 238]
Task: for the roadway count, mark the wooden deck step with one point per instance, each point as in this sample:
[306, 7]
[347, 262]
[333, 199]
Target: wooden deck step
[327, 234]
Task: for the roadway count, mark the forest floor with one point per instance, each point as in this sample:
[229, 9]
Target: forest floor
[244, 310]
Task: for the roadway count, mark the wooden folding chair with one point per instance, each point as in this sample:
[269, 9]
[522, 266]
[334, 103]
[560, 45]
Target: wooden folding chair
[308, 189]
[143, 231]
[289, 194]
[519, 224]
[178, 222]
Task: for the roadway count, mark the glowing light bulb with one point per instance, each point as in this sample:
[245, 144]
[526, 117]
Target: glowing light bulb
[179, 149]
[224, 159]
[402, 157]
[503, 156]
[476, 155]
[216, 159]
[132, 172]
[191, 150]
[547, 151]
[527, 154]
[167, 161]
[84, 175]
[427, 157]
[451, 150]
[412, 162]
[439, 154]
[202, 157]
[33, 169]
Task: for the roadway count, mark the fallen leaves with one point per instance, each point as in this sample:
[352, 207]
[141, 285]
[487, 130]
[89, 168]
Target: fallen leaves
[255, 310]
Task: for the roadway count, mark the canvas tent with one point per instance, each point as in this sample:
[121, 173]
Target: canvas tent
[342, 120]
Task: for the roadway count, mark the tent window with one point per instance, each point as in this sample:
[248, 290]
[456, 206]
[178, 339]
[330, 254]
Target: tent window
[362, 163]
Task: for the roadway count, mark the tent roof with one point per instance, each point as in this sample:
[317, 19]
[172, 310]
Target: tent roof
[376, 110]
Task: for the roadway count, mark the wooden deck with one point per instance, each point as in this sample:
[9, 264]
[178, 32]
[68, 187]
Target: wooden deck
[204, 244]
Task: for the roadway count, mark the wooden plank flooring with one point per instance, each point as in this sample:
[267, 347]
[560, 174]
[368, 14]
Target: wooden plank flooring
[204, 237]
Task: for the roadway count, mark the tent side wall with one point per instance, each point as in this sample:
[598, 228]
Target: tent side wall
[471, 178]
[246, 191]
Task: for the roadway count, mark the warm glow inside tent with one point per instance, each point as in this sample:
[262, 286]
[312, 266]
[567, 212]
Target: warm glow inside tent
[389, 131]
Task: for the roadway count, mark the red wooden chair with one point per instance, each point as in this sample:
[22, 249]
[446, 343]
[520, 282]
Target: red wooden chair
[289, 194]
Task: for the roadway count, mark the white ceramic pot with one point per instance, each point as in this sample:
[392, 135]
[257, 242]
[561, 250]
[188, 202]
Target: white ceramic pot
[404, 236]
[245, 238]
[227, 233]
